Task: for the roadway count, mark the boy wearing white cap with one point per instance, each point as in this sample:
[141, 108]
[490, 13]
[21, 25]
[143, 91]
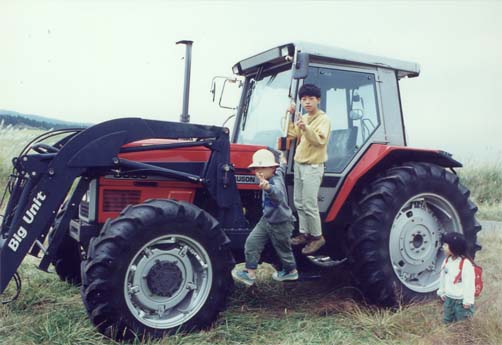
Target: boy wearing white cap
[276, 224]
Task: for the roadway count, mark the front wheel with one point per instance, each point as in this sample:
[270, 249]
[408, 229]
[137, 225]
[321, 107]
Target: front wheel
[160, 267]
[395, 239]
[67, 258]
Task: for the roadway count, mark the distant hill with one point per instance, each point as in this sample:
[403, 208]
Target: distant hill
[20, 120]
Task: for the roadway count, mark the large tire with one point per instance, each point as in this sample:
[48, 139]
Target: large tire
[395, 240]
[67, 258]
[160, 267]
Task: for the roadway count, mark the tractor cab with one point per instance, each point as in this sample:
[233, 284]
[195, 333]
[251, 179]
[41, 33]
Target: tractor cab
[359, 93]
[355, 89]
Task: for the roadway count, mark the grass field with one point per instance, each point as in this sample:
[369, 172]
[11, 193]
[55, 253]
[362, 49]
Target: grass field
[485, 183]
[326, 312]
[50, 312]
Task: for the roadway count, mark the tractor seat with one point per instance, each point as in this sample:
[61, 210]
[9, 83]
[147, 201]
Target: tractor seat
[341, 148]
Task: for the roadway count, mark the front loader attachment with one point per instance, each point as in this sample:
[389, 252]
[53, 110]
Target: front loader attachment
[43, 176]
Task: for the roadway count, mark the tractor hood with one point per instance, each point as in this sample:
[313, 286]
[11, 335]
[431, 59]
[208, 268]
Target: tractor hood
[189, 159]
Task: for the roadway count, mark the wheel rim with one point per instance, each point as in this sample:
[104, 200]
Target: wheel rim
[415, 240]
[168, 281]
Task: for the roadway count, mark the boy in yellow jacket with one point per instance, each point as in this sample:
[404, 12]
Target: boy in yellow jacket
[312, 132]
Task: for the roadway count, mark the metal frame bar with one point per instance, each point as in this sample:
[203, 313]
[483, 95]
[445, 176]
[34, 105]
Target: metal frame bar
[206, 143]
[94, 152]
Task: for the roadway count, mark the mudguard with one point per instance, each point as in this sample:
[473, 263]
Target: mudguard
[379, 157]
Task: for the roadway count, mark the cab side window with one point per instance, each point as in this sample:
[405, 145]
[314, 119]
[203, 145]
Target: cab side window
[350, 100]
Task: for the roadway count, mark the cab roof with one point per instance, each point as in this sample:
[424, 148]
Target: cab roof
[403, 68]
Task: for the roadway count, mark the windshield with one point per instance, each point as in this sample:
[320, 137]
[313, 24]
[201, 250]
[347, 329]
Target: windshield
[266, 108]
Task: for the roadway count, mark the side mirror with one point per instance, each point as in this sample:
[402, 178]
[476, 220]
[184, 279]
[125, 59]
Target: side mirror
[356, 107]
[213, 89]
[301, 67]
[356, 114]
[231, 94]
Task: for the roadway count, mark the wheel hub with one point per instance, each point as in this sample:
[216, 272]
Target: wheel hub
[167, 281]
[418, 239]
[414, 241]
[164, 278]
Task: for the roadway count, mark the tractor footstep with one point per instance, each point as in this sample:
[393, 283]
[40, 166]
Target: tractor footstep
[305, 276]
[325, 261]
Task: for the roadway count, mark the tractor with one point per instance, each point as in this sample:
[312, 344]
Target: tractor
[149, 217]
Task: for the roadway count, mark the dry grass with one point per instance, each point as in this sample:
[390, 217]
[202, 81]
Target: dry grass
[326, 312]
[12, 141]
[323, 312]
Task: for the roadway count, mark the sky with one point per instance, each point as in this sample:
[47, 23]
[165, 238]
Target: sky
[91, 61]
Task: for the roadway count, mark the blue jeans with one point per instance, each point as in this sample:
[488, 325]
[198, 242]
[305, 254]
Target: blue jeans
[279, 235]
[454, 310]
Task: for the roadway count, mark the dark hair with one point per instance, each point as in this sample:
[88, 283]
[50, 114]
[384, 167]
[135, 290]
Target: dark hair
[309, 90]
[457, 243]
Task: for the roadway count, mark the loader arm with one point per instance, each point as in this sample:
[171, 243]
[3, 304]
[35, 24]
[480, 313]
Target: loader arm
[42, 180]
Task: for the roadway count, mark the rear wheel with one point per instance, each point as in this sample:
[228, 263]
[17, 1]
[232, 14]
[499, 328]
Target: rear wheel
[396, 236]
[160, 267]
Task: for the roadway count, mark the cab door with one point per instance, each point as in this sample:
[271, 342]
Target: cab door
[349, 97]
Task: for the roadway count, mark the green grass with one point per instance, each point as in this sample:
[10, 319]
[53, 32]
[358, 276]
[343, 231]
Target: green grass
[485, 182]
[324, 312]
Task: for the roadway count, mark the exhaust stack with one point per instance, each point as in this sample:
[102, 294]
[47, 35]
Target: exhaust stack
[185, 117]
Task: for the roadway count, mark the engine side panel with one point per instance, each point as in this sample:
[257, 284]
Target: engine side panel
[114, 194]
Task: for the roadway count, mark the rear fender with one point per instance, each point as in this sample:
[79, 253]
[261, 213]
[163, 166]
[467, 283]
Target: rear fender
[379, 157]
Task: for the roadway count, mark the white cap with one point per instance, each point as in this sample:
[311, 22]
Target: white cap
[262, 159]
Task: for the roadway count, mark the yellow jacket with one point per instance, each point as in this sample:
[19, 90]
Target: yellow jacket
[313, 139]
